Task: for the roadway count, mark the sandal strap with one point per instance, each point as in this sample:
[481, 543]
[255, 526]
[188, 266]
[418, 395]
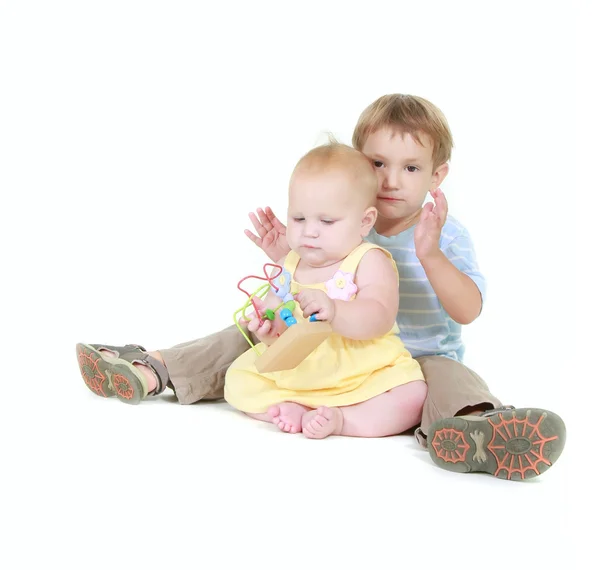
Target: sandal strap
[137, 353]
[495, 411]
[159, 369]
[119, 349]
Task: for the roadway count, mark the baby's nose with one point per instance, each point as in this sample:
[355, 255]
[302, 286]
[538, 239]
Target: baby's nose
[311, 230]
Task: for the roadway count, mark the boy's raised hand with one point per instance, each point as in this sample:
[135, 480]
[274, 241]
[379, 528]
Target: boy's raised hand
[429, 227]
[271, 234]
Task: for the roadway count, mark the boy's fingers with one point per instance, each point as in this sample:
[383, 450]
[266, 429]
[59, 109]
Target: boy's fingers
[440, 198]
[441, 207]
[264, 220]
[254, 238]
[275, 220]
[427, 209]
[443, 204]
[257, 225]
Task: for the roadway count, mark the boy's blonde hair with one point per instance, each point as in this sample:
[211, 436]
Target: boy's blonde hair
[406, 114]
[335, 155]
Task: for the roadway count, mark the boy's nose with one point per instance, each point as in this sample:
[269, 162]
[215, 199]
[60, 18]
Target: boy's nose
[392, 180]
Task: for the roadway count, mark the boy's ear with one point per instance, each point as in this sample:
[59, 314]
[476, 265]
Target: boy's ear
[438, 176]
[368, 221]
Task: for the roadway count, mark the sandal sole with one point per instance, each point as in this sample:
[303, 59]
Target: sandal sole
[106, 376]
[515, 444]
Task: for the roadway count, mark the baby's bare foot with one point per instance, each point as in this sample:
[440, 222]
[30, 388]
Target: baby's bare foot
[287, 416]
[322, 422]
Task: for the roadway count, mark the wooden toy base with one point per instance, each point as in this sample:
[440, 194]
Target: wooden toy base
[293, 346]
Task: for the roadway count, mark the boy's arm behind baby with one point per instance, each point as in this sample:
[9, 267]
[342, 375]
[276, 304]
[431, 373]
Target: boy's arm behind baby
[457, 292]
[373, 312]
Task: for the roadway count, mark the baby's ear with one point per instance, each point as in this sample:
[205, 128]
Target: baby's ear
[368, 220]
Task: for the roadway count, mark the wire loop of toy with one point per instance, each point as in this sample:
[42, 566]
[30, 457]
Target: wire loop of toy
[261, 292]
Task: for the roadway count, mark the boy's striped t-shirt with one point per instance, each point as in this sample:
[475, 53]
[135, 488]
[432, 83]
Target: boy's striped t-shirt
[425, 327]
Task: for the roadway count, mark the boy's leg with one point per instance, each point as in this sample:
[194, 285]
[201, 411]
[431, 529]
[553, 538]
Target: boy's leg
[506, 442]
[195, 370]
[390, 413]
[453, 389]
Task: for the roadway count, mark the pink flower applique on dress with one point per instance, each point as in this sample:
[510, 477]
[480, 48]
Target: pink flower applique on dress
[341, 286]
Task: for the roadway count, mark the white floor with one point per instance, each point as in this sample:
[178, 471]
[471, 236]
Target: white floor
[94, 483]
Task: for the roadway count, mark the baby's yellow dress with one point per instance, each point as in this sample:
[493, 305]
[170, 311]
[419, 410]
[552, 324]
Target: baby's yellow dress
[340, 371]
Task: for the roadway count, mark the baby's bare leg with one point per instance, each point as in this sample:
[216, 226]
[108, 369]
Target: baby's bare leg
[390, 413]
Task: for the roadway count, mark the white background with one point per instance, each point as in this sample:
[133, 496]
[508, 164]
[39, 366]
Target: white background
[135, 137]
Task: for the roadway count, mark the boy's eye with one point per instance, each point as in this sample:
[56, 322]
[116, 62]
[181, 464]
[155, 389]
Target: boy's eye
[298, 219]
[412, 168]
[328, 222]
[378, 163]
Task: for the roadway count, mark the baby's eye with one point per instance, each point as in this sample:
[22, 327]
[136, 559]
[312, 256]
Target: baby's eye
[377, 163]
[328, 222]
[412, 168]
[298, 219]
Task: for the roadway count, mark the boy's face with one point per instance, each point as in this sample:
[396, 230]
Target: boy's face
[326, 220]
[405, 172]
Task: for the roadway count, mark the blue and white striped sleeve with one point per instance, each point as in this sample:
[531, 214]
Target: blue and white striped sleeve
[461, 253]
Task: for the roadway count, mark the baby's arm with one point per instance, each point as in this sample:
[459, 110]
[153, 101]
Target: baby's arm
[373, 312]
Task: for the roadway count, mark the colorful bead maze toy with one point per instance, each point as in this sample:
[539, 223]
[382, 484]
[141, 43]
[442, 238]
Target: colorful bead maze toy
[298, 340]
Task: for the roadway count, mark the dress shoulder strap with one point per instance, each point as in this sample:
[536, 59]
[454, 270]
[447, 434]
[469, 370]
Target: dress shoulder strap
[350, 264]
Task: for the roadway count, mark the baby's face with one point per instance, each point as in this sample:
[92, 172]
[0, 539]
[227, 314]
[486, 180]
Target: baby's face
[325, 217]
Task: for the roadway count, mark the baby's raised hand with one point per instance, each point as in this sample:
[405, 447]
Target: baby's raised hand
[429, 227]
[314, 301]
[271, 236]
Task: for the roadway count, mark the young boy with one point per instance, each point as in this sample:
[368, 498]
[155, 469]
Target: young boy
[463, 426]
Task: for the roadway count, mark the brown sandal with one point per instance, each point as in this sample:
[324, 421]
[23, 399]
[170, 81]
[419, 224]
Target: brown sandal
[107, 375]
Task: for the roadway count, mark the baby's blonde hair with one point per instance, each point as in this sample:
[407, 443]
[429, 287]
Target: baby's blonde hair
[406, 114]
[337, 156]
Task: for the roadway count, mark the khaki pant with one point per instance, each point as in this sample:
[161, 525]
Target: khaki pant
[197, 371]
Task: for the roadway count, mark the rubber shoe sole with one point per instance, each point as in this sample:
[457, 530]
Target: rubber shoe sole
[106, 376]
[515, 444]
